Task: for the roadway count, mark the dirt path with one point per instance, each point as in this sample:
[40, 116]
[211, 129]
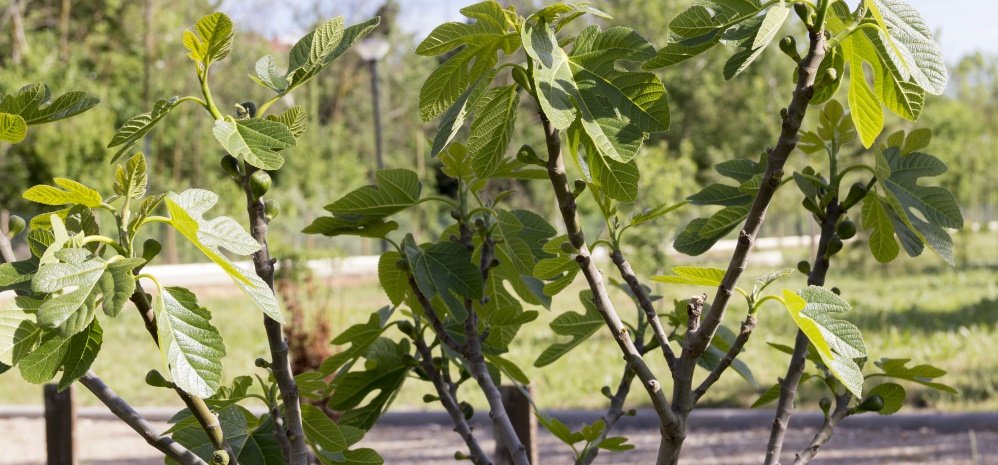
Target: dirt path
[112, 443]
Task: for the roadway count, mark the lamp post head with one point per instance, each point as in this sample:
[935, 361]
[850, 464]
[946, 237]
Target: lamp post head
[372, 48]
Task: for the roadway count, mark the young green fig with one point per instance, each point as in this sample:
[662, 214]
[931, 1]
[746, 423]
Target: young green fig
[155, 379]
[834, 246]
[260, 183]
[804, 267]
[846, 229]
[150, 249]
[856, 193]
[271, 209]
[230, 165]
[874, 403]
[788, 45]
[407, 327]
[15, 225]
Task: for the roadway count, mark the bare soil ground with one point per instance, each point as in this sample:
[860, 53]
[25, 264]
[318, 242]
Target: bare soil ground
[112, 443]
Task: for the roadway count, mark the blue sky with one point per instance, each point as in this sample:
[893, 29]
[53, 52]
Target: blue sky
[960, 26]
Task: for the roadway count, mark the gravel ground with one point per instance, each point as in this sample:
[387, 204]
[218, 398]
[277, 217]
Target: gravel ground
[112, 443]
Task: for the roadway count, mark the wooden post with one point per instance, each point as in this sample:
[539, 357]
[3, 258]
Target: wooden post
[60, 425]
[521, 414]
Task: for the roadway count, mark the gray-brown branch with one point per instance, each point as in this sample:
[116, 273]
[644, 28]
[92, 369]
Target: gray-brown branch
[471, 350]
[790, 381]
[279, 360]
[825, 432]
[476, 361]
[612, 415]
[736, 348]
[446, 392]
[697, 343]
[644, 302]
[671, 425]
[6, 251]
[120, 408]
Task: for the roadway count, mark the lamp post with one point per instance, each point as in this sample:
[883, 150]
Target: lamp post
[372, 50]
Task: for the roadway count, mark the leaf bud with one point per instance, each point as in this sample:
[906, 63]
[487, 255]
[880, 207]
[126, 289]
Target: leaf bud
[607, 392]
[804, 267]
[406, 327]
[788, 45]
[458, 455]
[580, 187]
[261, 363]
[455, 214]
[155, 379]
[230, 165]
[846, 229]
[150, 249]
[15, 224]
[836, 291]
[260, 183]
[271, 209]
[874, 403]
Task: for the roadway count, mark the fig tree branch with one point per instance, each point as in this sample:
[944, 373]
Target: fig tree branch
[205, 417]
[736, 348]
[671, 425]
[777, 157]
[446, 392]
[825, 432]
[120, 408]
[279, 361]
[790, 381]
[644, 302]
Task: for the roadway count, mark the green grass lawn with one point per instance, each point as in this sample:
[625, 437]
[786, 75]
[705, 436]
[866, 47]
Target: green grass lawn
[910, 309]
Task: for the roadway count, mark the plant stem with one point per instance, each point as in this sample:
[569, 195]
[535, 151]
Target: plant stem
[671, 425]
[6, 251]
[790, 381]
[120, 408]
[445, 391]
[645, 303]
[197, 406]
[478, 368]
[612, 415]
[697, 341]
[279, 363]
[825, 432]
[210, 102]
[736, 348]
